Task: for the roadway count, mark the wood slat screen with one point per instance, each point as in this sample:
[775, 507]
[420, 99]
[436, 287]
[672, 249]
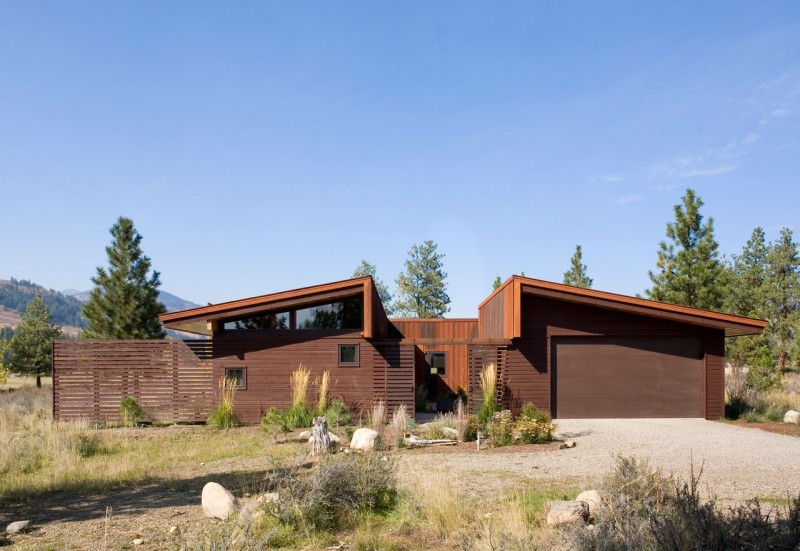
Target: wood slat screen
[171, 379]
[393, 376]
[479, 356]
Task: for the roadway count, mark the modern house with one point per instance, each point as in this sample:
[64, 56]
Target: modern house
[575, 352]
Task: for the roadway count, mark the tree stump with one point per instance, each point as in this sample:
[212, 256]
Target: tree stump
[320, 439]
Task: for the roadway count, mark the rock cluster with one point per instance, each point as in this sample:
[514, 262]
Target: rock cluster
[581, 509]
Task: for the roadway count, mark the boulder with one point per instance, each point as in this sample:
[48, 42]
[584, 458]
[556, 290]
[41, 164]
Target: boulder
[217, 501]
[450, 433]
[18, 526]
[365, 439]
[592, 499]
[791, 416]
[304, 436]
[567, 512]
[138, 541]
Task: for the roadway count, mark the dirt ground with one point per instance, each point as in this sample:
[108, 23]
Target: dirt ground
[114, 519]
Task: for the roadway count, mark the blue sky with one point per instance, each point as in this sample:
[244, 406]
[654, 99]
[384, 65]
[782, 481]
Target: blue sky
[264, 146]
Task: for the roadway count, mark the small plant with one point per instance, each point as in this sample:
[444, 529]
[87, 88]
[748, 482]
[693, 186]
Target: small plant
[224, 417]
[322, 399]
[501, 428]
[488, 378]
[532, 431]
[530, 411]
[130, 411]
[338, 414]
[298, 415]
[274, 422]
[378, 418]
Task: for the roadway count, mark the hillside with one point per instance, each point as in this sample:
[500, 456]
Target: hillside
[65, 307]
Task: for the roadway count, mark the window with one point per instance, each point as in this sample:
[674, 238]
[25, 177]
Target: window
[436, 362]
[238, 373]
[259, 323]
[347, 314]
[348, 354]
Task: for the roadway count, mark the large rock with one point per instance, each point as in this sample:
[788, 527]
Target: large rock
[217, 501]
[18, 526]
[303, 436]
[592, 499]
[365, 439]
[450, 432]
[567, 512]
[791, 416]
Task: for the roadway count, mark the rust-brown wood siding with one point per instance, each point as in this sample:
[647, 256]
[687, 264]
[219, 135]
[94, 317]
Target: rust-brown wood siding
[529, 358]
[496, 315]
[171, 379]
[439, 329]
[715, 375]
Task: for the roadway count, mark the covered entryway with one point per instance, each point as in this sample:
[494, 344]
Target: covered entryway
[627, 376]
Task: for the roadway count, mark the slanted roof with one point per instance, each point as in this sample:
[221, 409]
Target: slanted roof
[201, 320]
[500, 314]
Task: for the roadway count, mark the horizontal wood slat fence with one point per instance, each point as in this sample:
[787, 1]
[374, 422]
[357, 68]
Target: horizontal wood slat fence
[393, 377]
[479, 356]
[171, 379]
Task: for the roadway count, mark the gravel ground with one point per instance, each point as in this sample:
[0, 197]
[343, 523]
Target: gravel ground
[738, 463]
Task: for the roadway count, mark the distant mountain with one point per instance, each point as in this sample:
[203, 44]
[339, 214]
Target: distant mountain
[171, 302]
[15, 294]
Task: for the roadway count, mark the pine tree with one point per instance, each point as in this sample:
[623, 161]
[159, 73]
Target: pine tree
[496, 283]
[690, 272]
[367, 269]
[124, 303]
[32, 345]
[422, 289]
[5, 364]
[783, 295]
[577, 274]
[748, 297]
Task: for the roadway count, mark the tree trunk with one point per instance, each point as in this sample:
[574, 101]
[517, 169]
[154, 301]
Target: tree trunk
[320, 439]
[783, 363]
[38, 381]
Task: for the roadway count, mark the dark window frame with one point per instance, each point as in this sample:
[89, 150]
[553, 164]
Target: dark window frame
[429, 363]
[243, 369]
[339, 361]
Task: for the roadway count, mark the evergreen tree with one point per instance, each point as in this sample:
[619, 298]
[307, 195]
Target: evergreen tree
[748, 297]
[422, 289]
[496, 283]
[32, 345]
[783, 295]
[367, 269]
[577, 274]
[5, 365]
[124, 303]
[690, 272]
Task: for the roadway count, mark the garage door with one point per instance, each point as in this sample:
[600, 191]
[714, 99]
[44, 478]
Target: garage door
[613, 377]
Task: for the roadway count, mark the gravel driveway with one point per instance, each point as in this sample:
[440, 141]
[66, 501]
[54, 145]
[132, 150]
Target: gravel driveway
[738, 463]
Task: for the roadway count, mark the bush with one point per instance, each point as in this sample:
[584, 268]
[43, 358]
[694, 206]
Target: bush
[298, 416]
[501, 428]
[130, 411]
[337, 413]
[224, 417]
[763, 377]
[530, 411]
[342, 487]
[532, 431]
[645, 509]
[274, 422]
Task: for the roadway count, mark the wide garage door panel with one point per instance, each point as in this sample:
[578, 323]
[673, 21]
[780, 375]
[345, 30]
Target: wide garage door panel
[617, 377]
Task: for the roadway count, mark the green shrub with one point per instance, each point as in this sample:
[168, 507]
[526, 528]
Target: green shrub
[530, 411]
[470, 431]
[763, 377]
[338, 414]
[501, 428]
[298, 416]
[274, 422]
[532, 431]
[130, 411]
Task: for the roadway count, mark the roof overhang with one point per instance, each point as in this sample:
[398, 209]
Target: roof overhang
[205, 319]
[513, 289]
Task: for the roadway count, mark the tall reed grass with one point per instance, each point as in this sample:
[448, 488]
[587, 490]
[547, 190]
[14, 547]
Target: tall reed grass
[488, 382]
[322, 398]
[224, 417]
[298, 415]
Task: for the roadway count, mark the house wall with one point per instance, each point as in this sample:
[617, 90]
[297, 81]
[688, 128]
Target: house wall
[527, 372]
[270, 357]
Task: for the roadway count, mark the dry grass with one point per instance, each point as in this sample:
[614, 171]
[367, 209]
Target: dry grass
[299, 382]
[378, 417]
[399, 426]
[322, 398]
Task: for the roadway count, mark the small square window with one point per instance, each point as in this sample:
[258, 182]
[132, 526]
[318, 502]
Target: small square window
[348, 354]
[437, 362]
[239, 374]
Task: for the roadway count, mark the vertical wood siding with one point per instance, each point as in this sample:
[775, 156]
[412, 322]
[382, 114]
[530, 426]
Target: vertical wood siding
[715, 375]
[171, 379]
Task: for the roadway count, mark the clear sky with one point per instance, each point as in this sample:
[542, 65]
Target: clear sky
[263, 146]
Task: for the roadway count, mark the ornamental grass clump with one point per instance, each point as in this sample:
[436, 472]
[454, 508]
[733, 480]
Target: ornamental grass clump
[224, 417]
[399, 426]
[298, 415]
[322, 398]
[488, 377]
